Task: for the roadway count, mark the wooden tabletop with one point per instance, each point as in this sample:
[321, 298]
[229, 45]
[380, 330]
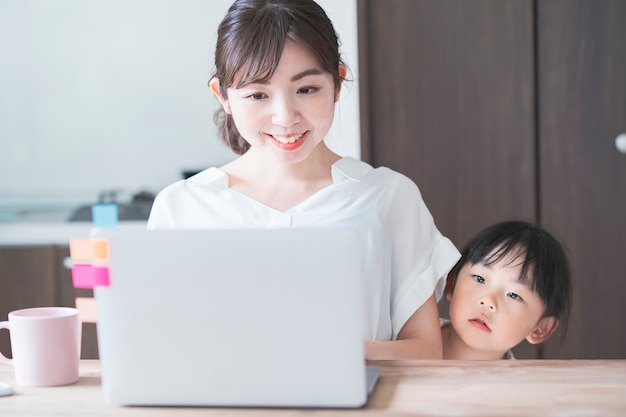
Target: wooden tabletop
[416, 388]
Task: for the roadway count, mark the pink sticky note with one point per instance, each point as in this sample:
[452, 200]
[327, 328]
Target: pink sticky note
[87, 249]
[89, 276]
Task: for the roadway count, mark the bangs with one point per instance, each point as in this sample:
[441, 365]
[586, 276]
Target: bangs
[512, 253]
[259, 51]
[512, 250]
[258, 66]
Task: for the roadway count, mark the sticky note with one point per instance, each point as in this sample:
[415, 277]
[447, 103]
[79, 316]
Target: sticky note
[90, 276]
[104, 215]
[87, 249]
[87, 309]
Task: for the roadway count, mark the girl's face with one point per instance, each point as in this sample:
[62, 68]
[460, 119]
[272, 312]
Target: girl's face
[492, 311]
[290, 115]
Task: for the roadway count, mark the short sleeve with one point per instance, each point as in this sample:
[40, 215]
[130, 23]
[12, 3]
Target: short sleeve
[422, 256]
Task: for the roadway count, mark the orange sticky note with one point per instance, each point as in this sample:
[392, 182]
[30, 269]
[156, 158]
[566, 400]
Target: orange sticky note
[87, 249]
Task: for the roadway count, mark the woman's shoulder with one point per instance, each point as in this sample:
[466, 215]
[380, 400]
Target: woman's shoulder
[214, 176]
[361, 171]
[210, 175]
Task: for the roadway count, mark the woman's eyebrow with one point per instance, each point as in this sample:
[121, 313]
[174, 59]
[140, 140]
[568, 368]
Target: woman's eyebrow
[298, 76]
[301, 75]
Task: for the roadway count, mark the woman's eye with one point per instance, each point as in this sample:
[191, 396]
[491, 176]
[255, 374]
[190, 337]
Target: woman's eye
[307, 90]
[479, 279]
[256, 96]
[514, 296]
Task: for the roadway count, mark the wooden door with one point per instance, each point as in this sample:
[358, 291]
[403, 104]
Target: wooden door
[448, 93]
[582, 109]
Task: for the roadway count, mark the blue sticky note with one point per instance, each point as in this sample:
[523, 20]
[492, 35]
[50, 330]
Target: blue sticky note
[104, 215]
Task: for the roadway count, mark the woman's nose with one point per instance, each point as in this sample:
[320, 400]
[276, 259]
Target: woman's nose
[285, 112]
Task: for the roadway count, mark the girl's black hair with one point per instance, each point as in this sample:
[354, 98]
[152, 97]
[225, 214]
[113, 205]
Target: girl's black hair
[542, 257]
[250, 41]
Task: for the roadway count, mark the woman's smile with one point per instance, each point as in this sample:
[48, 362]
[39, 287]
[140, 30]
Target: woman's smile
[285, 139]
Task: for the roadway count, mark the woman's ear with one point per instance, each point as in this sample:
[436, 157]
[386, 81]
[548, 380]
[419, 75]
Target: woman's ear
[214, 85]
[343, 71]
[544, 329]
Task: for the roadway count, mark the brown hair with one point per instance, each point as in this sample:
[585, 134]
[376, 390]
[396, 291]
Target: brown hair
[250, 41]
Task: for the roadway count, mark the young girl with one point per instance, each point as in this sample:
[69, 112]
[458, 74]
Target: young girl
[278, 74]
[512, 283]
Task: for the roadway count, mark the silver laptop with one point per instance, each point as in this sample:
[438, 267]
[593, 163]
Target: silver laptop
[244, 318]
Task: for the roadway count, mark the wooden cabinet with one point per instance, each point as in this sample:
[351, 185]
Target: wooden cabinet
[34, 276]
[509, 110]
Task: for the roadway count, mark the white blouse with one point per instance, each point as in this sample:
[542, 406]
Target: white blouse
[407, 258]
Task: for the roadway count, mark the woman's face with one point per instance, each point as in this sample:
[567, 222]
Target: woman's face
[290, 115]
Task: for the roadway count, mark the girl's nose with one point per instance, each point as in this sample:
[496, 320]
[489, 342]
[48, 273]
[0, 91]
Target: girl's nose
[488, 302]
[285, 112]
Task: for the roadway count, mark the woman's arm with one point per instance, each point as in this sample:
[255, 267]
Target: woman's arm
[419, 338]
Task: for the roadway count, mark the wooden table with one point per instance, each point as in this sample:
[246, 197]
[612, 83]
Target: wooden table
[416, 388]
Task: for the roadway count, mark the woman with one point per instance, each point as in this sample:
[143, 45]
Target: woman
[278, 75]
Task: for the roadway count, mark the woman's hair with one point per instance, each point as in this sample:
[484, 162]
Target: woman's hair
[544, 261]
[250, 41]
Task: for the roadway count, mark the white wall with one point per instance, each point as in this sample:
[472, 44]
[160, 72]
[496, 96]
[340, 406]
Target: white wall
[112, 94]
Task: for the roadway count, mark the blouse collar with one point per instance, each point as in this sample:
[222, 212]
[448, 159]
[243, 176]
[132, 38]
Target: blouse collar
[345, 168]
[349, 168]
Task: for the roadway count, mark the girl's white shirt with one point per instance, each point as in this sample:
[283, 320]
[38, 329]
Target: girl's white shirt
[406, 258]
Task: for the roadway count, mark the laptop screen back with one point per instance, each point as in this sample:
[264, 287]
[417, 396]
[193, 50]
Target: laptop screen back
[233, 318]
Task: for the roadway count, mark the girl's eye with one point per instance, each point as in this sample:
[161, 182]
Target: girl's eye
[479, 279]
[514, 296]
[307, 90]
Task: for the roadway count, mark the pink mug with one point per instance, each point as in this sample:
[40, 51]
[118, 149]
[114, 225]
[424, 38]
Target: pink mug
[45, 342]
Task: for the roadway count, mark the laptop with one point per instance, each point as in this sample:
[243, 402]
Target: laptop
[233, 318]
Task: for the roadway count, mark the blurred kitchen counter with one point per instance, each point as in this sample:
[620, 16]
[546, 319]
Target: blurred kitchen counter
[53, 217]
[36, 220]
[37, 233]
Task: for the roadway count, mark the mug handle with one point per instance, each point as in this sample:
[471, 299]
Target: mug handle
[4, 359]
